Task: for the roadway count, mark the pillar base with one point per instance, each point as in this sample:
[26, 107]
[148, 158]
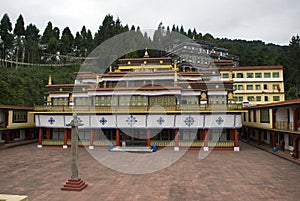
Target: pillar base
[65, 146]
[74, 185]
[91, 147]
[236, 149]
[176, 148]
[205, 149]
[39, 146]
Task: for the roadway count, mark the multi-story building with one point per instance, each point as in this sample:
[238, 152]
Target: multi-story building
[256, 84]
[16, 124]
[277, 124]
[196, 55]
[144, 101]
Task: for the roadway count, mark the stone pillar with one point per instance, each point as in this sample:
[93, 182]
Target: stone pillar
[40, 138]
[148, 138]
[117, 137]
[74, 183]
[296, 147]
[206, 137]
[236, 140]
[65, 146]
[176, 139]
[91, 139]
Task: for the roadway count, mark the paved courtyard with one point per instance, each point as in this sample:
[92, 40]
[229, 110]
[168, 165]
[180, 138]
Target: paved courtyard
[251, 174]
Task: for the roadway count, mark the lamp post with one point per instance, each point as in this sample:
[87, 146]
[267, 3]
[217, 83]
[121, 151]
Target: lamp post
[74, 183]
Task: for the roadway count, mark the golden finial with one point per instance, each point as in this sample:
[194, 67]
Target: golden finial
[146, 53]
[49, 80]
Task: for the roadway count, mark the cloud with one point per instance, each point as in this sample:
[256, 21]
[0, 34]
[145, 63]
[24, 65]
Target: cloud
[269, 20]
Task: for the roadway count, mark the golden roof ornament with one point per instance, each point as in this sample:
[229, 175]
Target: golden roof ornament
[49, 80]
[146, 53]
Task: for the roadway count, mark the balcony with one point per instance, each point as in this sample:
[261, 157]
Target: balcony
[282, 125]
[137, 109]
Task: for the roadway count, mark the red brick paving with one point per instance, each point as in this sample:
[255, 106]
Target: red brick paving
[251, 174]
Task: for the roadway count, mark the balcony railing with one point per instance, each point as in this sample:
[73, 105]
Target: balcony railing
[133, 109]
[283, 125]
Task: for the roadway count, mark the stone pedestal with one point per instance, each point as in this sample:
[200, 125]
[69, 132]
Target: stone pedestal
[74, 185]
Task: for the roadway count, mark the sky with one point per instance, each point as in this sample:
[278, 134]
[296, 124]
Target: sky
[272, 21]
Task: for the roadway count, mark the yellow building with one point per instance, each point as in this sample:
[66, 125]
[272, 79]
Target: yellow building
[16, 124]
[256, 84]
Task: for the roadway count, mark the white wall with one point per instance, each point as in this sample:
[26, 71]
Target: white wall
[282, 115]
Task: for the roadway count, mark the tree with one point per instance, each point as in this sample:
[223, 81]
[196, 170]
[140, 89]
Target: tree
[293, 63]
[67, 41]
[6, 36]
[48, 33]
[19, 27]
[31, 43]
[19, 42]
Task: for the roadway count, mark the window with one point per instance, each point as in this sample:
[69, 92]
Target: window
[265, 135]
[275, 86]
[250, 98]
[265, 86]
[240, 75]
[267, 75]
[249, 75]
[234, 87]
[249, 87]
[225, 75]
[233, 75]
[258, 75]
[249, 116]
[264, 116]
[254, 115]
[240, 87]
[235, 98]
[258, 98]
[291, 141]
[276, 98]
[241, 98]
[257, 87]
[266, 98]
[19, 116]
[275, 74]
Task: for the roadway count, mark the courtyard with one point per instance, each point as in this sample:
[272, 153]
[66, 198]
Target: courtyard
[251, 174]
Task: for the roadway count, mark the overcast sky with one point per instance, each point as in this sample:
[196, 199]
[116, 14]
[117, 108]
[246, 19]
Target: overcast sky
[272, 21]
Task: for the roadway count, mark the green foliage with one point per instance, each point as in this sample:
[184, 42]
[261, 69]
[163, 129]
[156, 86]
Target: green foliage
[26, 86]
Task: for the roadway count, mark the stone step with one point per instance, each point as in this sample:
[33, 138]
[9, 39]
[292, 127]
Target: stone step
[132, 149]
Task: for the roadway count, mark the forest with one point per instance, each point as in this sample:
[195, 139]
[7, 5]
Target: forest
[33, 55]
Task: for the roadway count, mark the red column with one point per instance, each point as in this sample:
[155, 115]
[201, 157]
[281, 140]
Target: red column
[148, 138]
[29, 134]
[40, 137]
[274, 118]
[206, 138]
[6, 138]
[48, 133]
[117, 137]
[295, 117]
[91, 138]
[259, 137]
[296, 146]
[65, 138]
[236, 138]
[273, 140]
[231, 134]
[176, 138]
